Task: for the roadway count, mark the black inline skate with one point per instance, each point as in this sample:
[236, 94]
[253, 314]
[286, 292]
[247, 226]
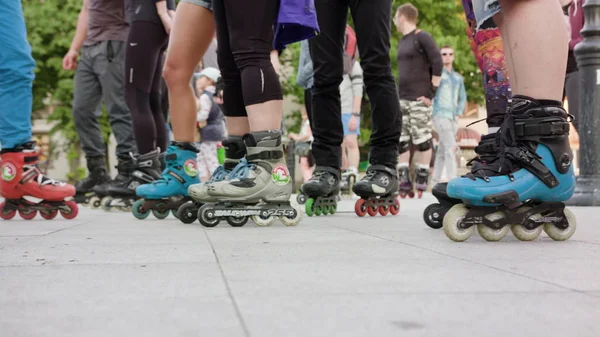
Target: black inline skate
[97, 176]
[405, 186]
[322, 189]
[378, 192]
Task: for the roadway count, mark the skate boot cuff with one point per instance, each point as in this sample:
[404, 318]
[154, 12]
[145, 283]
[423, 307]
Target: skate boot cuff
[383, 168]
[263, 138]
[270, 154]
[29, 146]
[185, 146]
[235, 148]
[329, 169]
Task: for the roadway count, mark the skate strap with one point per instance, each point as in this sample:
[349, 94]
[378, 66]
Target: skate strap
[32, 172]
[176, 176]
[33, 158]
[265, 155]
[382, 168]
[541, 127]
[488, 147]
[171, 156]
[532, 163]
[327, 169]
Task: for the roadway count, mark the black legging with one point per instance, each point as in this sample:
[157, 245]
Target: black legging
[143, 75]
[245, 39]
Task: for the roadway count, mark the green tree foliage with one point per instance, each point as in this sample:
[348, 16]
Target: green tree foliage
[50, 29]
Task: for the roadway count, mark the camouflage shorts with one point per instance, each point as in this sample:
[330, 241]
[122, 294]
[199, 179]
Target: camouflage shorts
[416, 121]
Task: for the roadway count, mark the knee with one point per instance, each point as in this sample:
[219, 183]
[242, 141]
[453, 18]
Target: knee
[425, 146]
[351, 142]
[404, 147]
[175, 76]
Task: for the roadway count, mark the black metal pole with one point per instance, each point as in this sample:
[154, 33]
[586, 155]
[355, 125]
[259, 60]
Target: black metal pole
[587, 52]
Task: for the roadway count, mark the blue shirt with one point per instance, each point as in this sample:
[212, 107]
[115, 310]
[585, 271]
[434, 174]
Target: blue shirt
[451, 96]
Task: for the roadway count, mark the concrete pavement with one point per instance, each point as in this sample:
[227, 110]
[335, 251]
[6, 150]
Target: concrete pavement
[108, 274]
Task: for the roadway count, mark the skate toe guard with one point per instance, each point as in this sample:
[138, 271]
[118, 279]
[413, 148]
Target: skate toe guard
[199, 192]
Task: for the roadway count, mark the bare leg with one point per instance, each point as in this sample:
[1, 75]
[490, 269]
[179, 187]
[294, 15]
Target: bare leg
[535, 47]
[423, 158]
[344, 155]
[351, 142]
[191, 35]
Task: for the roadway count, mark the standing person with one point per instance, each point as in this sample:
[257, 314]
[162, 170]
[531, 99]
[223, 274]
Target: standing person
[100, 35]
[19, 175]
[150, 24]
[253, 104]
[448, 105]
[210, 121]
[419, 71]
[534, 164]
[190, 37]
[303, 141]
[372, 23]
[351, 94]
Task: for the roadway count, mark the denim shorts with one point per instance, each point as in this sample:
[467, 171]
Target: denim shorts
[485, 9]
[208, 4]
[346, 125]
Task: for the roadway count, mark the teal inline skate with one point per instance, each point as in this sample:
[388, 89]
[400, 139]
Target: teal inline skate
[171, 191]
[235, 150]
[259, 187]
[524, 187]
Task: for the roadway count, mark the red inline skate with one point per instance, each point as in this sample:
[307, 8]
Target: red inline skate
[26, 190]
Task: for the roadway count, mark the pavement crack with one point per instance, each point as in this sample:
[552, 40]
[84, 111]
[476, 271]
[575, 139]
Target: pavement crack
[470, 261]
[229, 292]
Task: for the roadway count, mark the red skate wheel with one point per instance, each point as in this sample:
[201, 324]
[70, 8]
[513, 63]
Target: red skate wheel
[395, 209]
[384, 210]
[402, 195]
[6, 214]
[372, 210]
[411, 194]
[359, 208]
[73, 210]
[49, 214]
[27, 214]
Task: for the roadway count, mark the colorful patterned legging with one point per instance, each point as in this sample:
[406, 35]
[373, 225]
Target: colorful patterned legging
[486, 44]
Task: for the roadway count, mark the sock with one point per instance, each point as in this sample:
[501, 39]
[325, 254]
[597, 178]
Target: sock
[401, 165]
[423, 166]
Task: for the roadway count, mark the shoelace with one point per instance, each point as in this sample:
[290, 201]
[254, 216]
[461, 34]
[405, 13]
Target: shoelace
[219, 174]
[41, 179]
[242, 169]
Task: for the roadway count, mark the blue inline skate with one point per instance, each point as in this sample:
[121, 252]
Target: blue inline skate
[524, 187]
[171, 191]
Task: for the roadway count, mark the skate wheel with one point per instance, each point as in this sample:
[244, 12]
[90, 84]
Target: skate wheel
[292, 220]
[521, 232]
[49, 214]
[301, 199]
[492, 234]
[27, 214]
[160, 214]
[326, 209]
[174, 212]
[6, 214]
[308, 207]
[236, 221]
[332, 209]
[360, 207]
[411, 194]
[395, 208]
[72, 212]
[372, 210]
[137, 210]
[187, 213]
[559, 234]
[434, 215]
[384, 210]
[263, 220]
[402, 195]
[318, 210]
[451, 221]
[206, 216]
[420, 194]
[94, 202]
[105, 204]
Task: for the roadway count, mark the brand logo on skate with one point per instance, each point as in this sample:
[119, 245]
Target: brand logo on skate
[280, 175]
[190, 168]
[9, 172]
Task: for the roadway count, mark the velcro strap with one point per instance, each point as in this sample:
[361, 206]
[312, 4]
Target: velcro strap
[31, 159]
[265, 155]
[544, 129]
[531, 163]
[176, 176]
[171, 156]
[485, 148]
[29, 174]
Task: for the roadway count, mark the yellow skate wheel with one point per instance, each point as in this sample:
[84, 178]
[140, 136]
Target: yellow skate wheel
[451, 221]
[521, 232]
[559, 234]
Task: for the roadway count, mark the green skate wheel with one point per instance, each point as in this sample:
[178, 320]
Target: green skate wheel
[160, 214]
[136, 209]
[318, 211]
[326, 210]
[333, 209]
[308, 207]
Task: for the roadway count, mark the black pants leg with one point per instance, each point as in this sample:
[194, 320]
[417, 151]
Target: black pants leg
[372, 20]
[327, 56]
